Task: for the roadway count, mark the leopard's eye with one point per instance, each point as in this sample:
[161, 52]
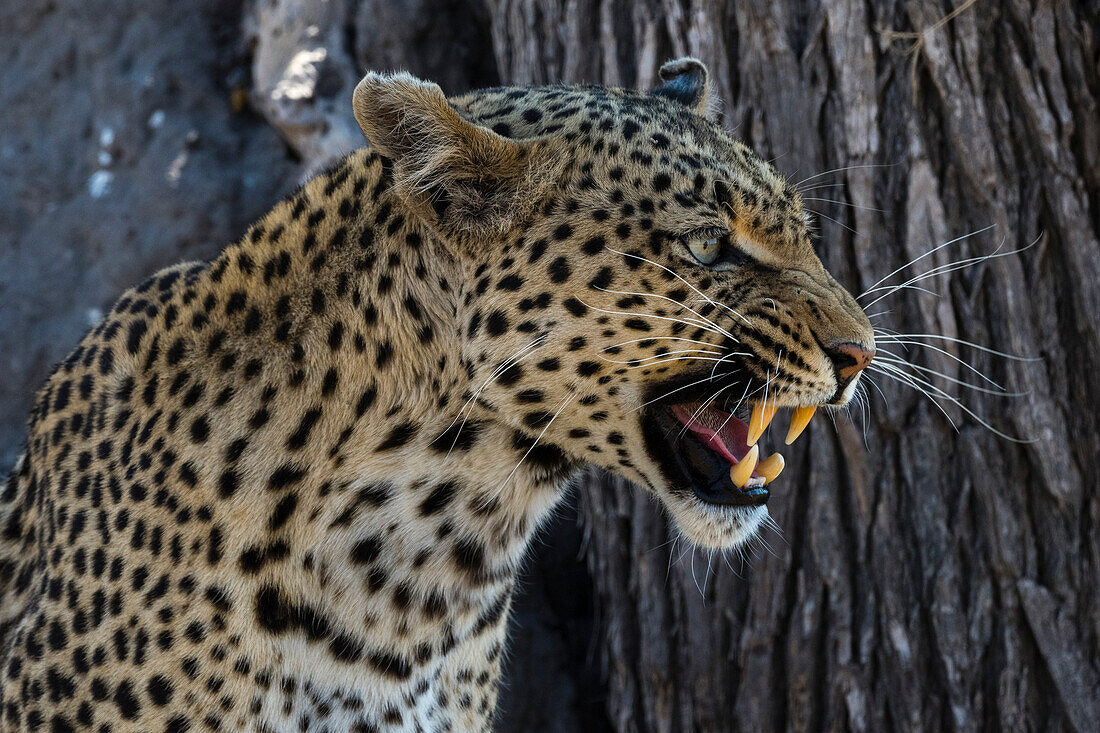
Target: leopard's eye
[705, 251]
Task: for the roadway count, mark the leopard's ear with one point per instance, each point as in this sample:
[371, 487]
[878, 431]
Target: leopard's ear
[468, 177]
[686, 81]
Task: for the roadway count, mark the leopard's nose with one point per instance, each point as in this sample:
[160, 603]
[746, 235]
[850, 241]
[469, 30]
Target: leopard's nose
[849, 359]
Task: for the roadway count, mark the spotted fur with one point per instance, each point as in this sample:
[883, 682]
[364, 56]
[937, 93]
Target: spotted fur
[291, 488]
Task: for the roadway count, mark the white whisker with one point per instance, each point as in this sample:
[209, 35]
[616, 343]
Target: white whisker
[1000, 391]
[727, 356]
[948, 354]
[843, 169]
[962, 342]
[669, 361]
[659, 338]
[817, 186]
[879, 389]
[516, 358]
[946, 269]
[508, 478]
[634, 314]
[677, 275]
[733, 412]
[642, 360]
[674, 302]
[678, 389]
[701, 408]
[957, 402]
[918, 258]
[900, 376]
[844, 203]
[835, 221]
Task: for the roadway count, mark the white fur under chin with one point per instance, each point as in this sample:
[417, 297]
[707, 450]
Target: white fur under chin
[716, 527]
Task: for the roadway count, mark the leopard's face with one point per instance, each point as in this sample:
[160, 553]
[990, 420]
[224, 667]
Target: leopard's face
[660, 301]
[686, 291]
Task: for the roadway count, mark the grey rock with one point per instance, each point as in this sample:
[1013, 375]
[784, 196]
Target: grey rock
[121, 153]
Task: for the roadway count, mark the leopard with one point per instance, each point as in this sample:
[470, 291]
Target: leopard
[291, 488]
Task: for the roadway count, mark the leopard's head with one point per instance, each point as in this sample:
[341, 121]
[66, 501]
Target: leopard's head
[643, 290]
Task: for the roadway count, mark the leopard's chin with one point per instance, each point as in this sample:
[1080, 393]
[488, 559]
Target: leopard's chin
[713, 526]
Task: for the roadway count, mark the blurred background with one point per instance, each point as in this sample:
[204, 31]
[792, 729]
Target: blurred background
[926, 573]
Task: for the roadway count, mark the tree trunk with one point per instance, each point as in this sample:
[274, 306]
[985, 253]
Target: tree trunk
[927, 572]
[924, 576]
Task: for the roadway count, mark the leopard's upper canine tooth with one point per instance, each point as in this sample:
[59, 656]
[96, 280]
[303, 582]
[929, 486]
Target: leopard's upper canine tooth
[741, 472]
[761, 417]
[771, 467]
[799, 420]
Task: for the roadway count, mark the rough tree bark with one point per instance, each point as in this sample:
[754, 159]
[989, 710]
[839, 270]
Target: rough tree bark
[926, 577]
[930, 574]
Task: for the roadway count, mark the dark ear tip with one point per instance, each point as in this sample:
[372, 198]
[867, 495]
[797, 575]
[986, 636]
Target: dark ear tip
[684, 81]
[687, 65]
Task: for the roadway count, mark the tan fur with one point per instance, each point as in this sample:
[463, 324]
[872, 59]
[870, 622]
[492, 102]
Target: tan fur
[297, 492]
[490, 182]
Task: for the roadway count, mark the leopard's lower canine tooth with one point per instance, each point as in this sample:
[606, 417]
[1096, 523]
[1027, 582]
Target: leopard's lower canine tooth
[761, 417]
[741, 472]
[799, 420]
[771, 467]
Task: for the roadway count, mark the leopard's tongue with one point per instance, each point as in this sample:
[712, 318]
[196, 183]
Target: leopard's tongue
[730, 438]
[720, 431]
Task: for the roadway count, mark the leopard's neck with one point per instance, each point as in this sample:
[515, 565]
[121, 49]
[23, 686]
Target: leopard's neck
[395, 530]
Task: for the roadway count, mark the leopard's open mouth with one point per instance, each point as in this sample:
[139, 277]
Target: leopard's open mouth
[716, 453]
